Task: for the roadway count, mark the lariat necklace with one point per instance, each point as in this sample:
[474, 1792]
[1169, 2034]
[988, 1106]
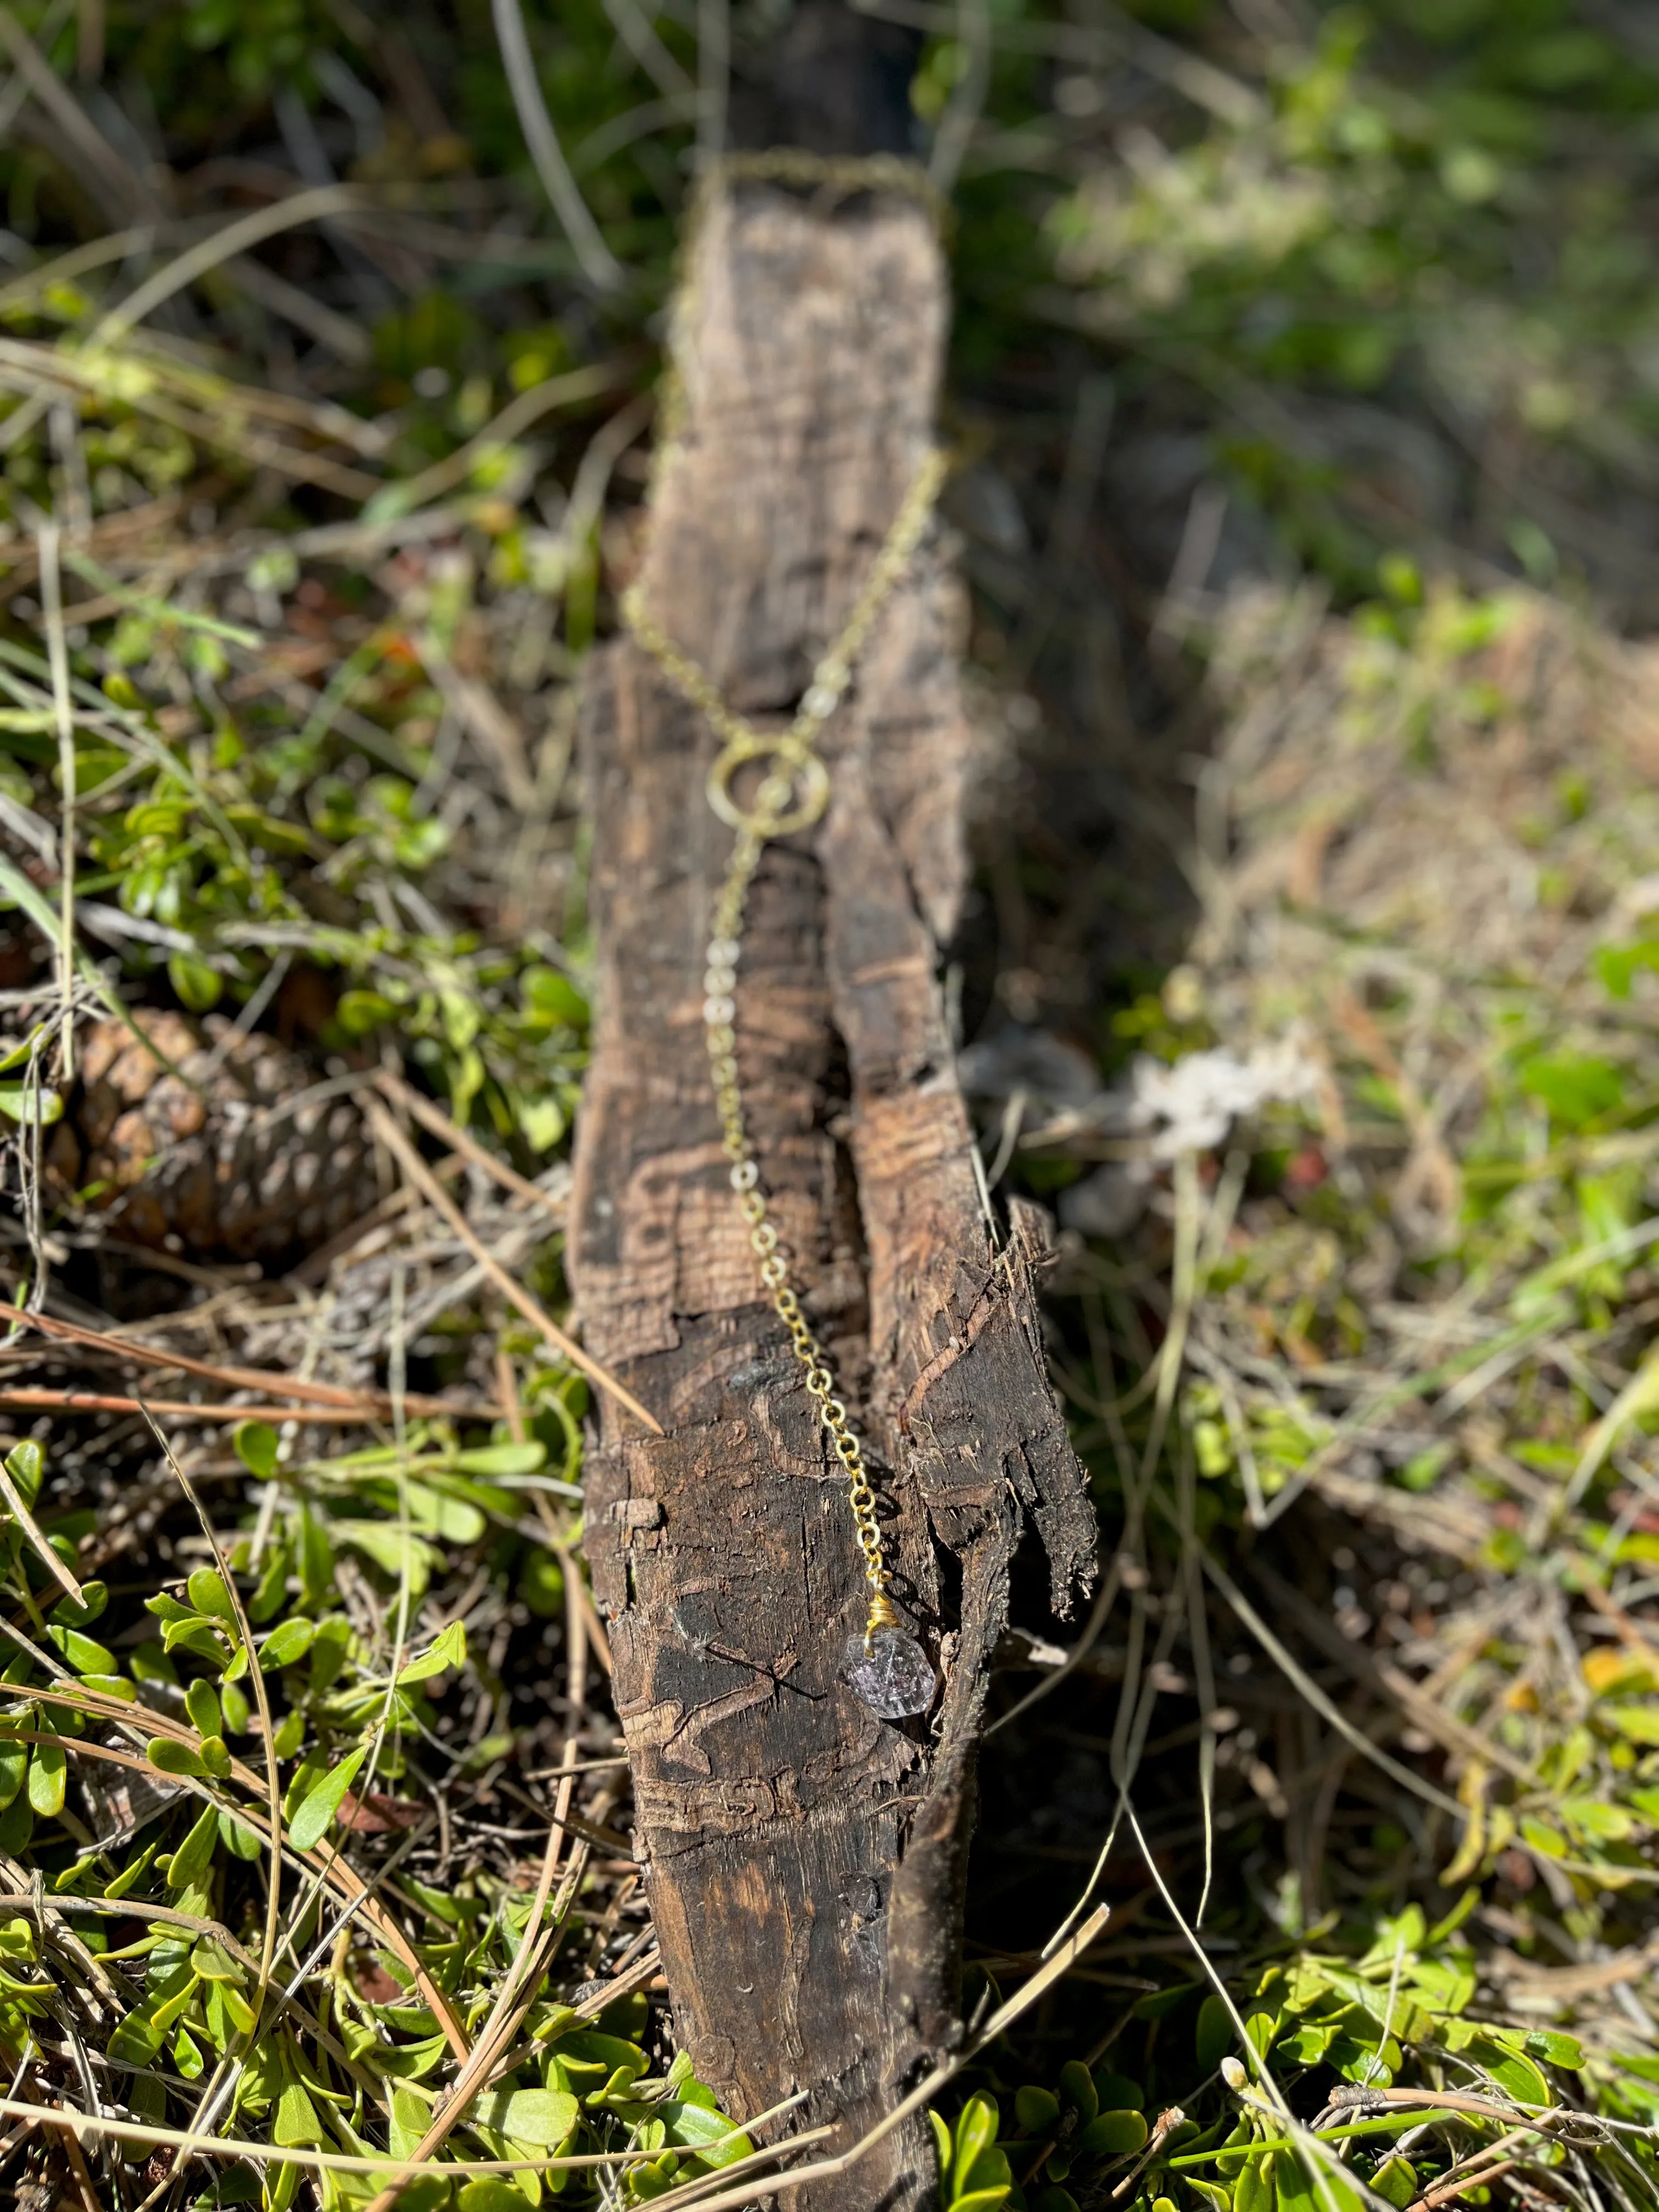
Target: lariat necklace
[884, 1663]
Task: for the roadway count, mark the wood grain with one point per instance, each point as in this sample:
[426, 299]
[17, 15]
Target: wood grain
[805, 1860]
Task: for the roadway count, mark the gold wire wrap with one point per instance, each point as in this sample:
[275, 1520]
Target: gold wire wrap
[792, 794]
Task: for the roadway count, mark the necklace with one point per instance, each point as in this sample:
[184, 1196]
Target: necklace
[883, 1664]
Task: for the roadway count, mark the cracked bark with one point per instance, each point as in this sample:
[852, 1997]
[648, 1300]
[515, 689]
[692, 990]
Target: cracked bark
[804, 1859]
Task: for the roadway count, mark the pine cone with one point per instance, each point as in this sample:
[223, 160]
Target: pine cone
[203, 1155]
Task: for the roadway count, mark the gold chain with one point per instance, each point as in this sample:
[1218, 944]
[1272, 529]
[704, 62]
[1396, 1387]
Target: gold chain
[777, 809]
[792, 794]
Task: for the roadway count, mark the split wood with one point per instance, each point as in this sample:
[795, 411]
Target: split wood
[804, 1860]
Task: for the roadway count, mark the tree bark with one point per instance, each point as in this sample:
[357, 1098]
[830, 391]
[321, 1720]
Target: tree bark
[804, 1859]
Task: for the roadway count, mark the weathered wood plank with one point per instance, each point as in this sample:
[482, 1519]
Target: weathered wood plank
[805, 1858]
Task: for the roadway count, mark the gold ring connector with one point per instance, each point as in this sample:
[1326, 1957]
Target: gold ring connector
[794, 770]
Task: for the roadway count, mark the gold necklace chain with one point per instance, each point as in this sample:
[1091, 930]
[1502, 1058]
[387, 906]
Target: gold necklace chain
[792, 794]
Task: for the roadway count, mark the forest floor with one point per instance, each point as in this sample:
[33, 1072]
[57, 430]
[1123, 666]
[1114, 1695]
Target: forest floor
[1310, 978]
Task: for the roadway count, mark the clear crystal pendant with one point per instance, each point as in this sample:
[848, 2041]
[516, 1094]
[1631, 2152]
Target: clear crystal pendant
[890, 1672]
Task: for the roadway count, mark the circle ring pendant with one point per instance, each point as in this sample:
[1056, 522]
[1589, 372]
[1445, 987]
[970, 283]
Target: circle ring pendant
[796, 775]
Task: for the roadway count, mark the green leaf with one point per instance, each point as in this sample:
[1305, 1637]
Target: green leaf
[85, 1655]
[48, 1773]
[1517, 2076]
[26, 1465]
[328, 1649]
[941, 2141]
[1076, 2088]
[1306, 2045]
[198, 982]
[489, 2192]
[190, 1862]
[495, 1459]
[1444, 1985]
[1575, 1087]
[210, 1960]
[438, 1513]
[288, 1642]
[1359, 2058]
[272, 1591]
[1454, 1920]
[1295, 2191]
[1396, 2181]
[1255, 2189]
[542, 1121]
[1595, 1817]
[447, 1649]
[1616, 965]
[256, 1444]
[1555, 2049]
[395, 1551]
[15, 1052]
[1036, 2109]
[1543, 1837]
[136, 2039]
[296, 2122]
[554, 996]
[95, 1600]
[534, 2116]
[977, 2130]
[1112, 2134]
[316, 1812]
[304, 1778]
[409, 2061]
[990, 2170]
[13, 1765]
[202, 1706]
[237, 1838]
[410, 2117]
[31, 1102]
[112, 1685]
[705, 2128]
[360, 1012]
[208, 1594]
[168, 1757]
[316, 1560]
[541, 1585]
[194, 1634]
